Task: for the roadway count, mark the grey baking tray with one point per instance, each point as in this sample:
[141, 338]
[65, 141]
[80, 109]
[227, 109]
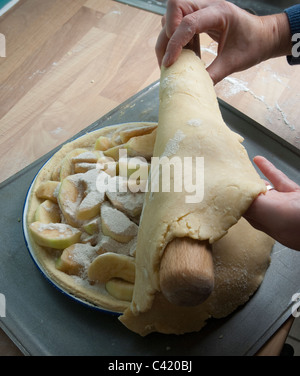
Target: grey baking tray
[43, 321]
[259, 7]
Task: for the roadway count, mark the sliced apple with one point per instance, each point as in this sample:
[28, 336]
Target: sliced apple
[114, 152]
[86, 161]
[67, 264]
[103, 143]
[47, 212]
[108, 165]
[107, 244]
[82, 167]
[117, 225]
[120, 289]
[124, 133]
[92, 227]
[145, 128]
[111, 265]
[90, 205]
[74, 259]
[54, 235]
[67, 166]
[69, 198]
[116, 139]
[141, 145]
[136, 146]
[47, 189]
[90, 156]
[89, 239]
[128, 202]
[92, 197]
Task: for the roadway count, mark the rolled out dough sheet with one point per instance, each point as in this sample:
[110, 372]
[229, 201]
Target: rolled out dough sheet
[191, 125]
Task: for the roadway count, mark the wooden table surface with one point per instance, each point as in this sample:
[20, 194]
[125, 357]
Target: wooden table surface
[69, 62]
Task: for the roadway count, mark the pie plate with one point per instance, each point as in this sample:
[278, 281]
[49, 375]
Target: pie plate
[30, 247]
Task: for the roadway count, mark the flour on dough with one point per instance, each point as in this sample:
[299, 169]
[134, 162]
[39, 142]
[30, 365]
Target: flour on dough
[230, 185]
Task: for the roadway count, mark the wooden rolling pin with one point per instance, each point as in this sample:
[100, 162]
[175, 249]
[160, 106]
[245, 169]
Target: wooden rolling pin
[194, 45]
[187, 272]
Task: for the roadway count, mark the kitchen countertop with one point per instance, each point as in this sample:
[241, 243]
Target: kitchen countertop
[69, 62]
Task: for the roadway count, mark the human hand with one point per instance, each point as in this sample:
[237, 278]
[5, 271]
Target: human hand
[243, 39]
[277, 212]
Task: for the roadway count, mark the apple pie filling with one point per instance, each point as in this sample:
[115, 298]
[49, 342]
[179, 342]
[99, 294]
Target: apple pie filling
[83, 216]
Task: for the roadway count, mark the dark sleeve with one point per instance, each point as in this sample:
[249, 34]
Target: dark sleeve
[293, 14]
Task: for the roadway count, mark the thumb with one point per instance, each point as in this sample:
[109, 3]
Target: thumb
[279, 180]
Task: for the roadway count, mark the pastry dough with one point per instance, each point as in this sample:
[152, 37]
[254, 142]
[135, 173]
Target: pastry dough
[190, 125]
[194, 128]
[240, 258]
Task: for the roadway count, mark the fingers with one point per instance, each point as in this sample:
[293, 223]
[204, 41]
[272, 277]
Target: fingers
[180, 25]
[217, 70]
[204, 20]
[256, 214]
[226, 63]
[179, 38]
[265, 214]
[173, 17]
[161, 45]
[279, 180]
[277, 214]
[178, 9]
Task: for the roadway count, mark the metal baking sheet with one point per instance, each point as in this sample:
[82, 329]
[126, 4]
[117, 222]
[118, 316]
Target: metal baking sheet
[43, 321]
[259, 7]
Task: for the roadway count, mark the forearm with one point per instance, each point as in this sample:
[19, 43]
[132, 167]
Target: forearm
[276, 35]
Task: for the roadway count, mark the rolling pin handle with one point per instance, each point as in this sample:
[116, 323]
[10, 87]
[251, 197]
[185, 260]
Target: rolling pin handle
[186, 272]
